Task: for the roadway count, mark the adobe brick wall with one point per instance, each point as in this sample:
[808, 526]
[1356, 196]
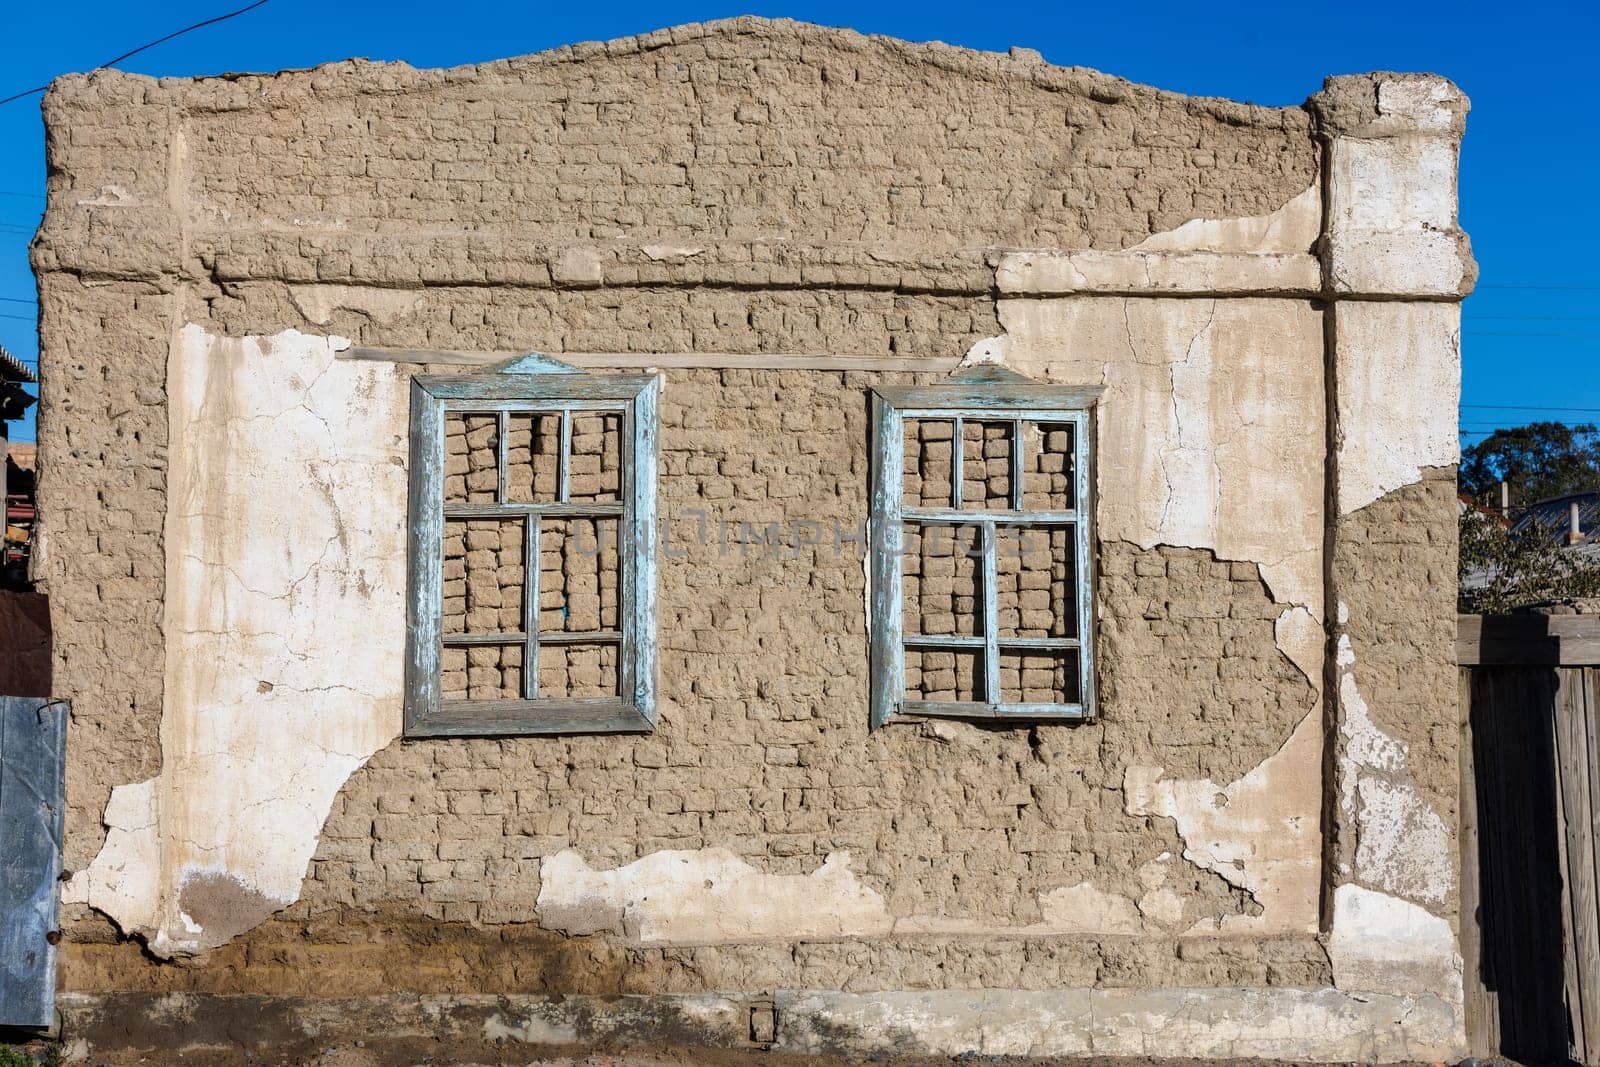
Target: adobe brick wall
[763, 749]
[753, 187]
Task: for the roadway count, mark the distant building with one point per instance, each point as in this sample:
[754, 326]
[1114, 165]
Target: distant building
[16, 477]
[1571, 520]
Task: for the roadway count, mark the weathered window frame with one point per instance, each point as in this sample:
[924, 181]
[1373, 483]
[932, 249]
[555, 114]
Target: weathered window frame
[532, 383]
[987, 394]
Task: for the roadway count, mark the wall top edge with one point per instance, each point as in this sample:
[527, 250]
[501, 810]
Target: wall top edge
[232, 91]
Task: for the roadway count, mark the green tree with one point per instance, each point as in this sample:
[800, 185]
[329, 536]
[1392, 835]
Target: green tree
[1501, 570]
[1539, 460]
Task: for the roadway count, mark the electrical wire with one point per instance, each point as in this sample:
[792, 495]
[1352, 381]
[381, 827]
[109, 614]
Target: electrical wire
[135, 51]
[1523, 407]
[1545, 288]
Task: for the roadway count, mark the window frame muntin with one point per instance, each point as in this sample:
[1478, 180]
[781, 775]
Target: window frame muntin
[983, 394]
[532, 383]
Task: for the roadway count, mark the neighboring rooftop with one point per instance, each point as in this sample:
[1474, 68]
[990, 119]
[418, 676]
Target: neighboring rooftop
[1554, 514]
[13, 369]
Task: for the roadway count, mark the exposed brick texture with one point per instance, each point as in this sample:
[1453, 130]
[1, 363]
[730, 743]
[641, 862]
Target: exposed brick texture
[846, 191]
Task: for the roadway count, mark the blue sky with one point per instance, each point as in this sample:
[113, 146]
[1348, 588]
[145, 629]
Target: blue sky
[1531, 334]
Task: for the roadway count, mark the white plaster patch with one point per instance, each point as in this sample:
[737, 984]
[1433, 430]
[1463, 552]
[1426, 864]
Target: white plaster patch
[1403, 846]
[285, 631]
[1402, 836]
[1300, 636]
[1210, 429]
[1392, 226]
[1399, 369]
[1084, 909]
[985, 352]
[1382, 944]
[657, 253]
[112, 195]
[318, 302]
[1260, 832]
[1422, 102]
[710, 896]
[1294, 227]
[1275, 1025]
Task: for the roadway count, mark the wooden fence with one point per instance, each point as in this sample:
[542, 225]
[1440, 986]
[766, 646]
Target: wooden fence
[1530, 839]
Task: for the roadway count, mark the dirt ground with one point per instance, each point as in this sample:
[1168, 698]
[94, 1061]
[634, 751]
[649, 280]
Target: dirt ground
[410, 1052]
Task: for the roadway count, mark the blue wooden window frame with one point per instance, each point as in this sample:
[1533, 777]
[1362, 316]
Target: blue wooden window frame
[982, 394]
[532, 383]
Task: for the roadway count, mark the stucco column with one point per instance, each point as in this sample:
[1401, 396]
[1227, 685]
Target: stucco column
[1396, 266]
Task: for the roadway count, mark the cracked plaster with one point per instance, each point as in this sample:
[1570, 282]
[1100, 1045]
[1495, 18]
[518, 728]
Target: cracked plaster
[285, 632]
[711, 896]
[1256, 832]
[1403, 846]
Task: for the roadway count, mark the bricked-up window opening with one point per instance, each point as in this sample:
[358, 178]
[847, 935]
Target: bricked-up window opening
[532, 552]
[982, 569]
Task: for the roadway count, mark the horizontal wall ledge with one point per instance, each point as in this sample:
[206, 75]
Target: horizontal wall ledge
[1159, 273]
[668, 360]
[1272, 1024]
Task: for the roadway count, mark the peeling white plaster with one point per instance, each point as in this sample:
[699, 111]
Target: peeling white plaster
[112, 195]
[1294, 227]
[1392, 216]
[1274, 1025]
[660, 252]
[1084, 909]
[705, 897]
[1211, 427]
[1382, 944]
[1259, 833]
[1399, 371]
[711, 896]
[987, 351]
[1259, 254]
[285, 631]
[1300, 636]
[318, 302]
[1403, 846]
[1402, 836]
[1422, 102]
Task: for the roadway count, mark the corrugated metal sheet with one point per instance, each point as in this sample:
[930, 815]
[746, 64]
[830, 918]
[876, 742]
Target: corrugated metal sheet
[1554, 515]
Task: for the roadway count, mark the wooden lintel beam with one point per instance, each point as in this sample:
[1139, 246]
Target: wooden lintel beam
[668, 360]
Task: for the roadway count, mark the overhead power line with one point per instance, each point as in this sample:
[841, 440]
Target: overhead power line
[1523, 407]
[135, 51]
[1532, 318]
[1528, 333]
[1546, 288]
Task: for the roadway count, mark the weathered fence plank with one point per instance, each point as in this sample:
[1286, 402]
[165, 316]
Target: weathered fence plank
[1530, 836]
[1517, 898]
[1482, 1004]
[1582, 952]
[33, 734]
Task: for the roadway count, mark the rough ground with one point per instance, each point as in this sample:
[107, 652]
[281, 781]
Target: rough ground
[415, 1053]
